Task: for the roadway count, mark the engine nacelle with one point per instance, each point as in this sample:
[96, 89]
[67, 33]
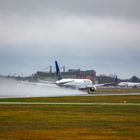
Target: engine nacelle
[92, 90]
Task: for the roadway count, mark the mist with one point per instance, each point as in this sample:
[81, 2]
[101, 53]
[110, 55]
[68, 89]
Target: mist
[10, 88]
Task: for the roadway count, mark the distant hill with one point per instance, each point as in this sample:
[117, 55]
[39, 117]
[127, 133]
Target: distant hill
[134, 79]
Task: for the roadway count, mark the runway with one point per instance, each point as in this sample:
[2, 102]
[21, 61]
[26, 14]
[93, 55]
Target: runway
[18, 89]
[55, 103]
[66, 94]
[111, 94]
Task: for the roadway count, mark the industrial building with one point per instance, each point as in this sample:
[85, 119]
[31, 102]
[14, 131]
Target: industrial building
[71, 73]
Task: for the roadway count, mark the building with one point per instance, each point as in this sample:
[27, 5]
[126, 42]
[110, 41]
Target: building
[78, 74]
[71, 73]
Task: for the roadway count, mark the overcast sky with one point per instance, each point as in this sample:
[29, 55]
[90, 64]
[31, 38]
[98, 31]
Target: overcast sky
[103, 35]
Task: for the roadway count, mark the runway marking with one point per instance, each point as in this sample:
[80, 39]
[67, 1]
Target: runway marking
[66, 103]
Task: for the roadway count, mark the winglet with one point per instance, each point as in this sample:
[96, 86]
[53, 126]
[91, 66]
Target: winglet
[58, 73]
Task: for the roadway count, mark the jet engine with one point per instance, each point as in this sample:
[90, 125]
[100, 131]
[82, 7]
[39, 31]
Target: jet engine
[91, 90]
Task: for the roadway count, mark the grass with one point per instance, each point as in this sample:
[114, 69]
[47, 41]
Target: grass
[82, 122]
[69, 122]
[77, 99]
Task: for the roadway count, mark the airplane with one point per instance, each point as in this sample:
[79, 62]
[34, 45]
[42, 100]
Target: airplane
[81, 84]
[129, 84]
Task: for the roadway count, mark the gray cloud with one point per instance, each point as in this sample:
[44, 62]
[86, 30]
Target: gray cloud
[119, 8]
[67, 29]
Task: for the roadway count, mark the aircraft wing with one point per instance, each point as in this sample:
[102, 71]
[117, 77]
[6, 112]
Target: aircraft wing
[104, 84]
[38, 82]
[107, 84]
[46, 82]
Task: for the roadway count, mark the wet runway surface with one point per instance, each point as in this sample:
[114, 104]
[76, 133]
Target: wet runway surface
[112, 94]
[14, 89]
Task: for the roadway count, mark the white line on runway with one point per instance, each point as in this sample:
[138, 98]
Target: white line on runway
[55, 103]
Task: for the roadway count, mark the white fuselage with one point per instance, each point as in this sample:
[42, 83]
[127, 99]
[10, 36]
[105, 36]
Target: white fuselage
[129, 84]
[75, 83]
